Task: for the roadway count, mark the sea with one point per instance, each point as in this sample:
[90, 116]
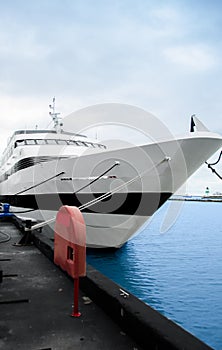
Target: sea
[174, 264]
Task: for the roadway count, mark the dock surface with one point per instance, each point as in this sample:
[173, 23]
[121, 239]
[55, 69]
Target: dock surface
[36, 300]
[36, 303]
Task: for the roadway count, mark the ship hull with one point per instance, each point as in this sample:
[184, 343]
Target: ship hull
[116, 190]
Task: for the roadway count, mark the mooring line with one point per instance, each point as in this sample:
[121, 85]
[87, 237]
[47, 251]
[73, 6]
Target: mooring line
[40, 183]
[209, 165]
[99, 199]
[99, 177]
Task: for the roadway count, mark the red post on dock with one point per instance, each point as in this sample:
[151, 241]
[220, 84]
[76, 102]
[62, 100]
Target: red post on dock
[75, 310]
[70, 247]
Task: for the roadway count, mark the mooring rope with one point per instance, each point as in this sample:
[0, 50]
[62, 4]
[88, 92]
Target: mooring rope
[98, 177]
[62, 173]
[6, 235]
[220, 155]
[209, 165]
[117, 189]
[100, 198]
[40, 183]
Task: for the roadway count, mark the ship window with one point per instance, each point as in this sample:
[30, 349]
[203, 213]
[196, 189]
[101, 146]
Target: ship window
[41, 142]
[73, 143]
[51, 142]
[79, 143]
[61, 142]
[70, 142]
[92, 144]
[30, 142]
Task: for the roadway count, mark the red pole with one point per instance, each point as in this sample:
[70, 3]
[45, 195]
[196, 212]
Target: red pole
[70, 247]
[75, 312]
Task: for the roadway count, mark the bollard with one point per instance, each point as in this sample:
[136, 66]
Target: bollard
[5, 211]
[70, 247]
[6, 207]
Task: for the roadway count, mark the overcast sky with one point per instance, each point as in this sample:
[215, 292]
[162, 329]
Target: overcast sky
[162, 56]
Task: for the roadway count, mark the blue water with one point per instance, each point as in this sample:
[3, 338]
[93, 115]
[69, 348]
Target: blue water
[179, 272]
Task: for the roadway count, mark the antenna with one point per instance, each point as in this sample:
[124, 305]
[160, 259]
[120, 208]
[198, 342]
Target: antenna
[57, 120]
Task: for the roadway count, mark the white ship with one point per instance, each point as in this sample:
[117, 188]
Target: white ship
[116, 188]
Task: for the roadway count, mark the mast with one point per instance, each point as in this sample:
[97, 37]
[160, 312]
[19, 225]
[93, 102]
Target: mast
[55, 117]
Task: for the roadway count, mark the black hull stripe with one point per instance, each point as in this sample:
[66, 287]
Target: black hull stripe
[143, 204]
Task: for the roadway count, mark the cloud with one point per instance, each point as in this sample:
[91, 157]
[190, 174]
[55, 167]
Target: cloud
[194, 57]
[25, 46]
[162, 56]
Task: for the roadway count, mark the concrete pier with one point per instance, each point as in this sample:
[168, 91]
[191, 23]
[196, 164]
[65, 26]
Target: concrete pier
[36, 302]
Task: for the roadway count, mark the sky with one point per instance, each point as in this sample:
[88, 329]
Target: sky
[161, 56]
